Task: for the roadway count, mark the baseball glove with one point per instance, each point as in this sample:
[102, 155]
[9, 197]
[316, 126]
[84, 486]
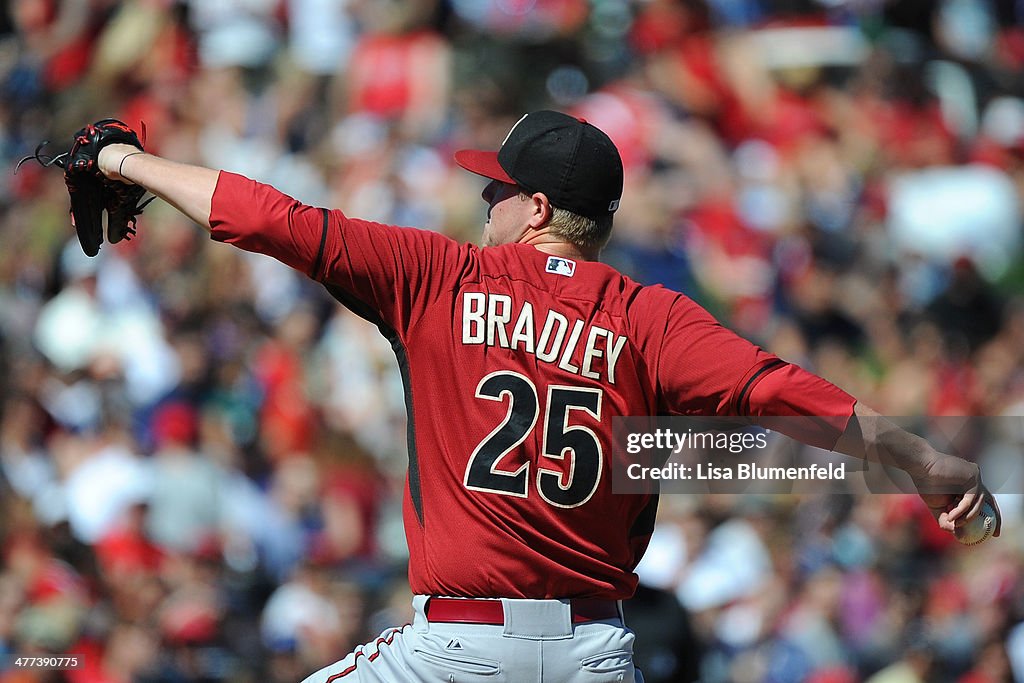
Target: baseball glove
[92, 193]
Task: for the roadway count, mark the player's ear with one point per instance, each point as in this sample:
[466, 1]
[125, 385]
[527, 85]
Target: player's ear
[540, 210]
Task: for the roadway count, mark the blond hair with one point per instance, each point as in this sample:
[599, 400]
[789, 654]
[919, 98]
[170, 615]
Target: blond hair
[586, 233]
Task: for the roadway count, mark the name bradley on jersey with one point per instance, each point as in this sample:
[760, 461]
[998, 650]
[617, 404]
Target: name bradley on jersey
[491, 320]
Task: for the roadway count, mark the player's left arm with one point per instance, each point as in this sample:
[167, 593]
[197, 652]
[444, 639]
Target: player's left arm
[388, 274]
[186, 187]
[234, 209]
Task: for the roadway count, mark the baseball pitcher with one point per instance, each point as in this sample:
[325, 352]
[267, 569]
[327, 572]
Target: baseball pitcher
[516, 357]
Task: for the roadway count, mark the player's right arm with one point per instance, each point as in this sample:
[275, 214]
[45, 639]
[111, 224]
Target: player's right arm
[705, 369]
[950, 486]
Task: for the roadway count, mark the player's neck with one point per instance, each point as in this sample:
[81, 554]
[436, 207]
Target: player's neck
[556, 246]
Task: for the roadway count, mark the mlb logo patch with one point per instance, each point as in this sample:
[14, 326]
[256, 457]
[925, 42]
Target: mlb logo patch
[561, 266]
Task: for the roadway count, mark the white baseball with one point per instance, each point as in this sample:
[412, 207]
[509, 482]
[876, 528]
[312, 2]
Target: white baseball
[980, 528]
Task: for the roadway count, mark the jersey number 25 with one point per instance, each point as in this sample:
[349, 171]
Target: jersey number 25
[578, 443]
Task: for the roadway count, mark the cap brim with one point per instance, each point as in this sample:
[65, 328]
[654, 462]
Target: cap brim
[483, 163]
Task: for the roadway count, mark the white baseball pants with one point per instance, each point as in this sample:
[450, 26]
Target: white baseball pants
[538, 642]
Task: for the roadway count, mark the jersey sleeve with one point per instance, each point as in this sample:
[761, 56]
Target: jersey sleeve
[702, 368]
[705, 369]
[788, 391]
[385, 273]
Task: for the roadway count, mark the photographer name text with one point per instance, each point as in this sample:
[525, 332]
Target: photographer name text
[742, 471]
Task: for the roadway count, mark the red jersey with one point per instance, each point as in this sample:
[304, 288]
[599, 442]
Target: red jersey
[515, 363]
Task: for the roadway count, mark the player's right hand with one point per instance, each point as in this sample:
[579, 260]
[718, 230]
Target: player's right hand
[951, 487]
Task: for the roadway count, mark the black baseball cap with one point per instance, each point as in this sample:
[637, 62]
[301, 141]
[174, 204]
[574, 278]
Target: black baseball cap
[574, 163]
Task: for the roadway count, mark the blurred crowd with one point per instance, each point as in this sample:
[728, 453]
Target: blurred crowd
[202, 455]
